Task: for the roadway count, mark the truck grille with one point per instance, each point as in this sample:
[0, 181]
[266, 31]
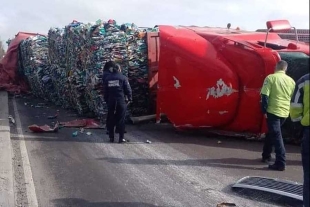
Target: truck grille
[283, 188]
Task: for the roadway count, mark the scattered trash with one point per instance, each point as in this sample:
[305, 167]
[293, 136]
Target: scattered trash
[225, 204]
[45, 128]
[25, 103]
[82, 130]
[12, 120]
[148, 141]
[89, 133]
[85, 123]
[219, 142]
[38, 106]
[74, 134]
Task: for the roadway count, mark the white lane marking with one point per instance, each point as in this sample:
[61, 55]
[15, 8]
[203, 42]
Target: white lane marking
[30, 189]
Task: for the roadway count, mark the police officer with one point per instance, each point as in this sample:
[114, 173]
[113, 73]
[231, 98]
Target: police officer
[300, 114]
[116, 90]
[107, 70]
[276, 96]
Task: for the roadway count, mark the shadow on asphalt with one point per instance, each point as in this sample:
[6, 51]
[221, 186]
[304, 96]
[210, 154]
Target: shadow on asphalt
[234, 163]
[166, 133]
[75, 202]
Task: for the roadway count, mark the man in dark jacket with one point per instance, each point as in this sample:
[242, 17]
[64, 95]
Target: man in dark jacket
[300, 113]
[116, 90]
[107, 70]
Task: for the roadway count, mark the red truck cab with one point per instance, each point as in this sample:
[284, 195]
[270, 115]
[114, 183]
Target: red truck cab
[212, 77]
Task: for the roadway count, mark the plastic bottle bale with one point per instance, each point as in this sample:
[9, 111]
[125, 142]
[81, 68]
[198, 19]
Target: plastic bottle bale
[56, 46]
[138, 72]
[35, 66]
[75, 37]
[94, 69]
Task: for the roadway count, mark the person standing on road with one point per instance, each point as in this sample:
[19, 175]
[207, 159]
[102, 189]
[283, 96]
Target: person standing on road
[116, 90]
[107, 70]
[300, 113]
[276, 95]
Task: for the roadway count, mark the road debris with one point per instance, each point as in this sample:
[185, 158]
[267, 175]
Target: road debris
[45, 128]
[74, 134]
[148, 141]
[85, 123]
[89, 133]
[225, 204]
[219, 142]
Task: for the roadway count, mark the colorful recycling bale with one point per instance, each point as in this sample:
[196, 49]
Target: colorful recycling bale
[75, 37]
[34, 65]
[57, 47]
[57, 58]
[77, 54]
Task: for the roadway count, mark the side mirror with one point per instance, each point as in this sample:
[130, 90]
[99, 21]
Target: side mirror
[279, 26]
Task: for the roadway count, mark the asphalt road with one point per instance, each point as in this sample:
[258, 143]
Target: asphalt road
[176, 169]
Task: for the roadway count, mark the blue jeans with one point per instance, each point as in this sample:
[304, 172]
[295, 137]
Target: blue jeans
[274, 139]
[305, 165]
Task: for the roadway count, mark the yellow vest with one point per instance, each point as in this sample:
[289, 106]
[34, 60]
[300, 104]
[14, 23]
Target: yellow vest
[279, 88]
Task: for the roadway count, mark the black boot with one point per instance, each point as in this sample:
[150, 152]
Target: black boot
[276, 167]
[121, 140]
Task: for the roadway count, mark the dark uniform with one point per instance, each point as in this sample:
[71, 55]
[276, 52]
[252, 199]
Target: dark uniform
[116, 88]
[106, 73]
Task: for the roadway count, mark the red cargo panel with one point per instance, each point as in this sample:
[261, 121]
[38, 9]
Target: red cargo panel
[9, 78]
[153, 61]
[196, 87]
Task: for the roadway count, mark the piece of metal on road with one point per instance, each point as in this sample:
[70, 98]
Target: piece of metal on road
[281, 187]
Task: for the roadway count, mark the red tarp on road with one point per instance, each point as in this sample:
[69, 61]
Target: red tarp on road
[9, 78]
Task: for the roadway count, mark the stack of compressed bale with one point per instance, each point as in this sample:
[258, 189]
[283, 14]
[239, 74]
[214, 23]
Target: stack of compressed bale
[94, 64]
[116, 48]
[57, 54]
[35, 66]
[138, 70]
[75, 38]
[115, 45]
[106, 42]
[56, 47]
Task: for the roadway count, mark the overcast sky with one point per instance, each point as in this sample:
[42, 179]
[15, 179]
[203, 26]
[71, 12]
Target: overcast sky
[40, 15]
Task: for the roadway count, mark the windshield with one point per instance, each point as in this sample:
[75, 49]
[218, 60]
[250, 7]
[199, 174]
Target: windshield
[298, 63]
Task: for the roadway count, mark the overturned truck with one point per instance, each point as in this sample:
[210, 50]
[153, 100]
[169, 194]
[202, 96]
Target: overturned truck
[198, 77]
[211, 77]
